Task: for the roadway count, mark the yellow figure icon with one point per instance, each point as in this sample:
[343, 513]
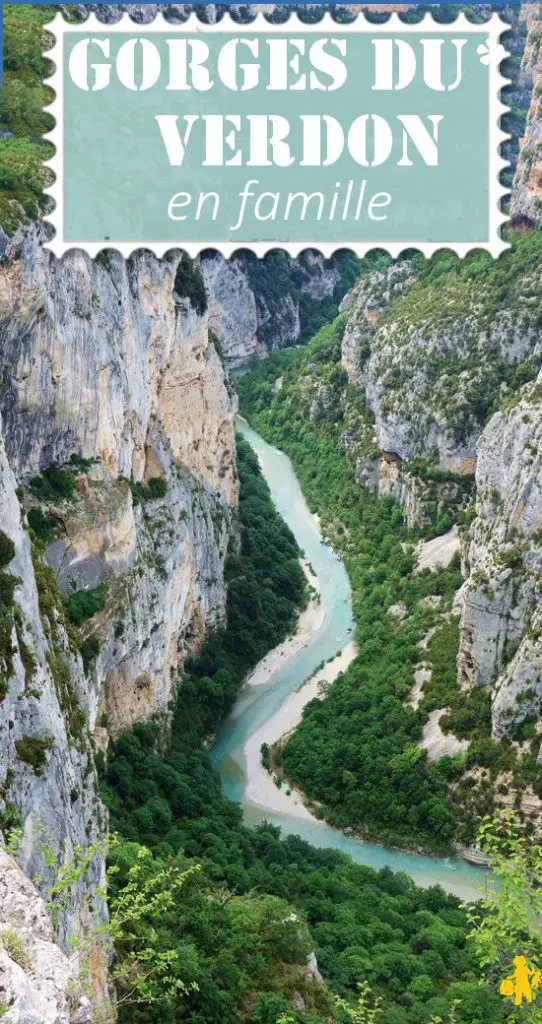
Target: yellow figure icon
[521, 981]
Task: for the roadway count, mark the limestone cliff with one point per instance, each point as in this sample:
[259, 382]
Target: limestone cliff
[526, 202]
[117, 493]
[501, 630]
[432, 356]
[438, 366]
[423, 351]
[110, 362]
[393, 360]
[259, 306]
[47, 780]
[233, 315]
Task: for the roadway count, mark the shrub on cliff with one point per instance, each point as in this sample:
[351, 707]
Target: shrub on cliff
[42, 525]
[7, 550]
[85, 603]
[54, 484]
[189, 284]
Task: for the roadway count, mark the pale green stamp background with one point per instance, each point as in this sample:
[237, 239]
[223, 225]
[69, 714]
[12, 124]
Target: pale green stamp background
[118, 182]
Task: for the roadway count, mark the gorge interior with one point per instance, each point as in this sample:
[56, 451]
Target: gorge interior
[256, 705]
[120, 539]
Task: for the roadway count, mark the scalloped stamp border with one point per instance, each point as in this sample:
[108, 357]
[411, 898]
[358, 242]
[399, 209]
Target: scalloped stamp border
[491, 53]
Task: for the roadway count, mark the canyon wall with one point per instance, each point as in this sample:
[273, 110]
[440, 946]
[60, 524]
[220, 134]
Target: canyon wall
[500, 602]
[256, 306]
[526, 201]
[39, 984]
[118, 447]
[432, 359]
[48, 784]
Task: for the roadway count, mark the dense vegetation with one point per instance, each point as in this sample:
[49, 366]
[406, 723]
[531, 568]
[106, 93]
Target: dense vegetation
[84, 604]
[57, 484]
[8, 583]
[22, 99]
[232, 924]
[189, 284]
[357, 753]
[155, 489]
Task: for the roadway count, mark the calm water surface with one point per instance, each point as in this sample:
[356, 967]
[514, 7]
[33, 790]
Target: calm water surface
[255, 705]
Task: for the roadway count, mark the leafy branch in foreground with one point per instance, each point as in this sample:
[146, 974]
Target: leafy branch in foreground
[368, 1010]
[142, 972]
[505, 924]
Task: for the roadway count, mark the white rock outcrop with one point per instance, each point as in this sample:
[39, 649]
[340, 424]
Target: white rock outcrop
[501, 627]
[38, 983]
[101, 356]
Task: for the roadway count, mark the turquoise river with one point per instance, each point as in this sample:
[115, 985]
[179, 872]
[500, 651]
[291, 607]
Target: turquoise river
[256, 704]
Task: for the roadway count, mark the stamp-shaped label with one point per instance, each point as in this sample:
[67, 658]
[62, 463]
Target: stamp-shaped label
[264, 135]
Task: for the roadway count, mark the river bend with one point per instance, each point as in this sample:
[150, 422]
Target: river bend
[256, 704]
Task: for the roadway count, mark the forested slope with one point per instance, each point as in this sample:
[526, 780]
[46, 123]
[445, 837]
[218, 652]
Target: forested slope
[360, 438]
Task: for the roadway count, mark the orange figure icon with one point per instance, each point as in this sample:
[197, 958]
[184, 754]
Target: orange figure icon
[521, 981]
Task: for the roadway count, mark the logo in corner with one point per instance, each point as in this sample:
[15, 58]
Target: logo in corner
[522, 982]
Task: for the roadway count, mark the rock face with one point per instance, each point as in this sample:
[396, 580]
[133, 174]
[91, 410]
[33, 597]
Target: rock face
[47, 777]
[501, 625]
[110, 374]
[431, 361]
[35, 975]
[408, 349]
[421, 355]
[233, 313]
[162, 560]
[526, 202]
[255, 306]
[393, 359]
[110, 362]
